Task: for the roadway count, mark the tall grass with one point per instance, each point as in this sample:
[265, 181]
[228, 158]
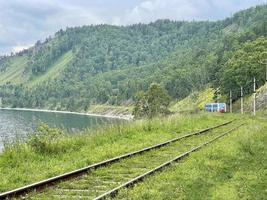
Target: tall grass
[232, 168]
[26, 163]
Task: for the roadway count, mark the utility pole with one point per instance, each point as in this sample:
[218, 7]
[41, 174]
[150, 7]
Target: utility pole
[254, 99]
[231, 110]
[242, 107]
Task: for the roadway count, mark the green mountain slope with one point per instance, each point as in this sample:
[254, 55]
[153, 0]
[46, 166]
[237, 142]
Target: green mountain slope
[14, 72]
[53, 72]
[107, 64]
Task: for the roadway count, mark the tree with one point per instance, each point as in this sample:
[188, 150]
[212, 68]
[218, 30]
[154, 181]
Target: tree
[243, 65]
[152, 103]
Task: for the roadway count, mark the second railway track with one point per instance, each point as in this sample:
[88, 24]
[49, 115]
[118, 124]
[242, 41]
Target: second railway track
[93, 182]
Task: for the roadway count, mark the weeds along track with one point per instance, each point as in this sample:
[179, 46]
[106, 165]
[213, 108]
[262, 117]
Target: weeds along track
[113, 192]
[108, 177]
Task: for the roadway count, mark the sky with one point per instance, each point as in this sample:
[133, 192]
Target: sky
[23, 22]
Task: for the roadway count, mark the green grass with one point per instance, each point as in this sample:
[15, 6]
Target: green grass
[195, 101]
[107, 178]
[261, 99]
[233, 168]
[22, 165]
[53, 71]
[111, 110]
[14, 72]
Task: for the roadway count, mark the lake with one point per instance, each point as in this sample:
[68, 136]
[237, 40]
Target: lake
[18, 124]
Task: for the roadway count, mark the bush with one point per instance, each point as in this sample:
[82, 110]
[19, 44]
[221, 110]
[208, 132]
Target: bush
[152, 103]
[46, 139]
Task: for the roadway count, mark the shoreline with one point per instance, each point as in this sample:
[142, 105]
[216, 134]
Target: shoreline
[130, 117]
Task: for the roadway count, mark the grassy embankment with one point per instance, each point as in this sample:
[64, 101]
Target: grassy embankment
[23, 164]
[261, 101]
[109, 110]
[193, 102]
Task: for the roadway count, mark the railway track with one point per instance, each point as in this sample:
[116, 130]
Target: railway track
[106, 178]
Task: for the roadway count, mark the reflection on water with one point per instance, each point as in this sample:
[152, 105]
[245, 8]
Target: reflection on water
[21, 123]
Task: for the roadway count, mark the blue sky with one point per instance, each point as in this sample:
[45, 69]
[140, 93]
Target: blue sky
[23, 22]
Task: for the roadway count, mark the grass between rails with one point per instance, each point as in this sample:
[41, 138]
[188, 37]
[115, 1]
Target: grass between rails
[104, 179]
[21, 165]
[234, 167]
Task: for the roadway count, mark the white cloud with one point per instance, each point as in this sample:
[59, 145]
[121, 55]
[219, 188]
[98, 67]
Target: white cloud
[19, 48]
[148, 5]
[151, 10]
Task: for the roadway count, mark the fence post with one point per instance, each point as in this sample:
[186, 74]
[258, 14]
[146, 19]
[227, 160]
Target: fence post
[242, 106]
[231, 109]
[254, 97]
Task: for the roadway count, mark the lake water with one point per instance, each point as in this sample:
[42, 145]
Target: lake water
[18, 124]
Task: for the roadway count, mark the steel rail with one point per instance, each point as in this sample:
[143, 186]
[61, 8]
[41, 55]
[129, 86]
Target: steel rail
[52, 181]
[114, 192]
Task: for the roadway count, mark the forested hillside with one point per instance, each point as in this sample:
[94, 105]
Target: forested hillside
[101, 64]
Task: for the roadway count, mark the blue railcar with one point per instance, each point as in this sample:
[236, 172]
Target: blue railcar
[215, 107]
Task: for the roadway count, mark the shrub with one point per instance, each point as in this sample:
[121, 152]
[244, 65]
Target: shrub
[45, 139]
[152, 103]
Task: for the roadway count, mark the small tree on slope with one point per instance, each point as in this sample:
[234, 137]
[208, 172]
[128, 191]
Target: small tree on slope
[152, 103]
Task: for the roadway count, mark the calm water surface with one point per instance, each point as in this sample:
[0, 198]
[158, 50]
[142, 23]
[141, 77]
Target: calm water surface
[19, 124]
